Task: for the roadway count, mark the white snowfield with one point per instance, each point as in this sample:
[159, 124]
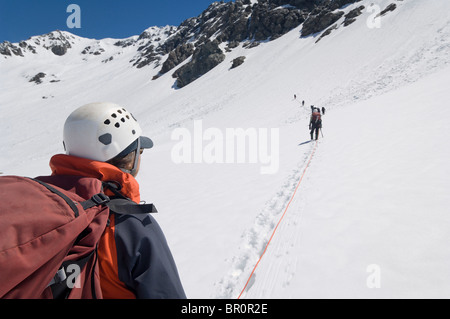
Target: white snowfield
[370, 218]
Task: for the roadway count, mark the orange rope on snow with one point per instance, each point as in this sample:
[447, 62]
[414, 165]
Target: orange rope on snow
[279, 222]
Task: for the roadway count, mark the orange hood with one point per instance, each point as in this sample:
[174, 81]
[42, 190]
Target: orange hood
[76, 166]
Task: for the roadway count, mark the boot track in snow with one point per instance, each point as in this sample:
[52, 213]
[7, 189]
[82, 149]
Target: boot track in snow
[257, 239]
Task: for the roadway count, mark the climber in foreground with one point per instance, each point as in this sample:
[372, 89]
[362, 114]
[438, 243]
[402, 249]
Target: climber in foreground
[103, 141]
[315, 123]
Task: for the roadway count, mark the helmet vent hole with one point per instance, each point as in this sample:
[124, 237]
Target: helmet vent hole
[134, 132]
[123, 120]
[117, 125]
[114, 115]
[107, 122]
[119, 111]
[105, 139]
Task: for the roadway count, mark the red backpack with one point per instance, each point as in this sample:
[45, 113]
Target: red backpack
[316, 117]
[49, 236]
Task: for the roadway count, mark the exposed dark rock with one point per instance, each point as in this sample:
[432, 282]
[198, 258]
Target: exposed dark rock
[204, 59]
[327, 32]
[177, 56]
[390, 7]
[268, 21]
[250, 44]
[59, 43]
[5, 48]
[227, 24]
[125, 43]
[299, 4]
[59, 50]
[352, 15]
[108, 60]
[24, 45]
[90, 50]
[338, 4]
[233, 22]
[237, 62]
[38, 78]
[148, 56]
[320, 21]
[8, 49]
[231, 45]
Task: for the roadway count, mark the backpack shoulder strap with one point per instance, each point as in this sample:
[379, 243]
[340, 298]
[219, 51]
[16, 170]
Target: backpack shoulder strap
[119, 205]
[96, 200]
[57, 192]
[123, 205]
[128, 207]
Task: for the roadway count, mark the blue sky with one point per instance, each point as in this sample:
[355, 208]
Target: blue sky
[21, 19]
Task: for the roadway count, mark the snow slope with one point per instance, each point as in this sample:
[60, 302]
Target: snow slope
[375, 194]
[376, 189]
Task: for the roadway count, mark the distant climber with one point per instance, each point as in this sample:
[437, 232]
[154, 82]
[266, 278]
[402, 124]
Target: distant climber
[315, 124]
[323, 110]
[303, 103]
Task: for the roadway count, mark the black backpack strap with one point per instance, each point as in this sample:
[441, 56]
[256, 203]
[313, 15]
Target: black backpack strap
[115, 188]
[128, 207]
[69, 202]
[119, 205]
[123, 205]
[96, 200]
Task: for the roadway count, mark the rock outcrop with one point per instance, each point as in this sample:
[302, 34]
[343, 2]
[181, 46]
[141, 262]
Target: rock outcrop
[204, 59]
[38, 78]
[320, 21]
[237, 62]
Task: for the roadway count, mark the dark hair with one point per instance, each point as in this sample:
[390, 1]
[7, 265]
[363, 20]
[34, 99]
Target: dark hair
[123, 162]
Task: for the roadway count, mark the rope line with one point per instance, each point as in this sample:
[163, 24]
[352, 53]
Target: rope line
[279, 222]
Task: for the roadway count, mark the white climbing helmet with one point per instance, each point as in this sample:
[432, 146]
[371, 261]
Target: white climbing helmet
[101, 131]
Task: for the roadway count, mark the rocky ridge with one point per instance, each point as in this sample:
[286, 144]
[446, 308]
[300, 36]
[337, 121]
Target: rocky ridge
[199, 38]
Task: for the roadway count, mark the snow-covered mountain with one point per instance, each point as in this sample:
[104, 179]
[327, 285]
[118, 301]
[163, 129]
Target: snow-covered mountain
[376, 190]
[221, 27]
